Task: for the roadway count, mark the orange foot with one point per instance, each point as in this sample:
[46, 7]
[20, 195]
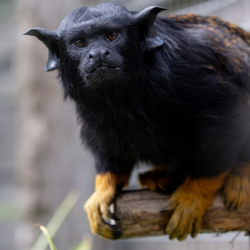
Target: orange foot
[236, 191]
[97, 206]
[155, 180]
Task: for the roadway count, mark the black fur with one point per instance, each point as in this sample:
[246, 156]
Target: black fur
[181, 104]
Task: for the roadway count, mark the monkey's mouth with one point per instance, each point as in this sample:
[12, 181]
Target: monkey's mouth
[100, 73]
[102, 67]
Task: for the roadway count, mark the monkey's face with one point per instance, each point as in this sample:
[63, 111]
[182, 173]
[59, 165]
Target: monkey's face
[99, 57]
[100, 46]
[96, 50]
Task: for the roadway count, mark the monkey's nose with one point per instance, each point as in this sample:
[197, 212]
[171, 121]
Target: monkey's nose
[98, 54]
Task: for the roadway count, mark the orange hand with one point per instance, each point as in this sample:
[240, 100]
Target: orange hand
[189, 203]
[97, 206]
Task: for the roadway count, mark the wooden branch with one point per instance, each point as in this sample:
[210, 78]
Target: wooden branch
[139, 213]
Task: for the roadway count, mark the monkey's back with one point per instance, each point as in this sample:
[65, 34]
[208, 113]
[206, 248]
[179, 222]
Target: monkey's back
[230, 43]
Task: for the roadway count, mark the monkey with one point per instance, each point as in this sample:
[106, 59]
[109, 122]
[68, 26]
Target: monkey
[170, 91]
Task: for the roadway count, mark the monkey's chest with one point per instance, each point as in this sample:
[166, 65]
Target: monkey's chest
[136, 140]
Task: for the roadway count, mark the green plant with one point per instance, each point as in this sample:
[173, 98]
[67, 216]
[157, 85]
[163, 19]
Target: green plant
[55, 223]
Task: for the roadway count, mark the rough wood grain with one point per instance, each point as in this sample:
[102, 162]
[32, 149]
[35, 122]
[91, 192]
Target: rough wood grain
[139, 213]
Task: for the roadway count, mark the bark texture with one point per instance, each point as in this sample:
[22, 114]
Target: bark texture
[139, 214]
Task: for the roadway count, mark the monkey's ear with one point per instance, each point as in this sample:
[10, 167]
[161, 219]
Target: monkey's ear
[145, 19]
[50, 39]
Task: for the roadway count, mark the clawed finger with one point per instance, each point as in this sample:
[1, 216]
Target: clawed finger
[107, 214]
[109, 231]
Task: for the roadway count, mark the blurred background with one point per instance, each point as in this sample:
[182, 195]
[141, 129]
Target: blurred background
[42, 158]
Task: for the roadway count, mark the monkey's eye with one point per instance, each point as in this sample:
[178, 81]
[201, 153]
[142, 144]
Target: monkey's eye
[80, 43]
[112, 36]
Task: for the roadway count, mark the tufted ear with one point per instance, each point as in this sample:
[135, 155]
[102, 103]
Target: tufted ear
[145, 19]
[50, 39]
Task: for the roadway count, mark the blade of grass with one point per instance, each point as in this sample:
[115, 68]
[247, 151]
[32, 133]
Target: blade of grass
[57, 220]
[85, 244]
[48, 237]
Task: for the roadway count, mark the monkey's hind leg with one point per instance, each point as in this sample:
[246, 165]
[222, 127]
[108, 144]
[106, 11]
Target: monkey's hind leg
[155, 180]
[236, 190]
